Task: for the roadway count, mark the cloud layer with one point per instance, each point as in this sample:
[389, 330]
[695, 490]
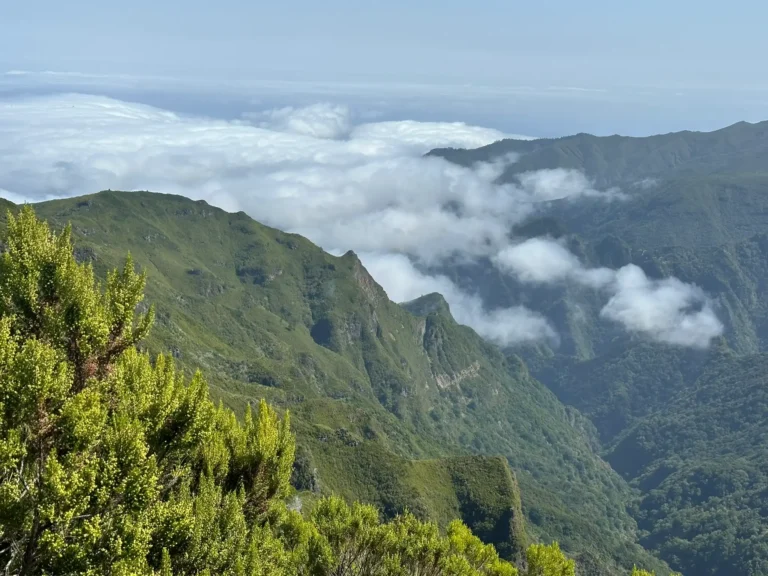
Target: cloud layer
[559, 183]
[541, 260]
[320, 120]
[504, 326]
[667, 310]
[365, 187]
[306, 170]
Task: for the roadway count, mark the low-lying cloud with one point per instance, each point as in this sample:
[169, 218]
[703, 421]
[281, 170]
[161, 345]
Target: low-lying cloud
[541, 260]
[646, 183]
[560, 183]
[306, 170]
[666, 310]
[322, 120]
[504, 326]
[315, 171]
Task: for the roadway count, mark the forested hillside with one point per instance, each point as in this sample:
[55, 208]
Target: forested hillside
[396, 406]
[613, 160]
[114, 464]
[684, 424]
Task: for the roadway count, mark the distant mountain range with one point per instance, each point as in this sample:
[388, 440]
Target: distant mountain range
[685, 427]
[616, 160]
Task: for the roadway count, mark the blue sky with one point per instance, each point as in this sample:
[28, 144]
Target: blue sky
[592, 43]
[594, 66]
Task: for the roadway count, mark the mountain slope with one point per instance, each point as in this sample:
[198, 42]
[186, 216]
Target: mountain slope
[614, 160]
[626, 380]
[683, 426]
[383, 400]
[702, 464]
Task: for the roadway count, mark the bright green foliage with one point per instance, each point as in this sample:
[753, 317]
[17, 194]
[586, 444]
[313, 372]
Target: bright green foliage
[548, 561]
[51, 298]
[638, 572]
[109, 464]
[112, 464]
[480, 556]
[353, 542]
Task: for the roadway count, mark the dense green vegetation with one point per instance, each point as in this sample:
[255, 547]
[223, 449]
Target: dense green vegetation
[741, 148]
[701, 463]
[390, 407]
[685, 427]
[113, 464]
[649, 402]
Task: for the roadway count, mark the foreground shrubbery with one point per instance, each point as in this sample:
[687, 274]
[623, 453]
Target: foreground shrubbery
[112, 464]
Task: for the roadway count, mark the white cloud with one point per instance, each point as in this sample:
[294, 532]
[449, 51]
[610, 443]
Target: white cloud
[425, 207]
[542, 260]
[504, 326]
[370, 191]
[322, 120]
[666, 310]
[312, 171]
[423, 135]
[538, 260]
[646, 183]
[559, 183]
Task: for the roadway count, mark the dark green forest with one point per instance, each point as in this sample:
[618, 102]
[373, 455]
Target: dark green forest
[685, 428]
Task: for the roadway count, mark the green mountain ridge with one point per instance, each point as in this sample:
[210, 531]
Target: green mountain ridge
[614, 160]
[685, 427]
[395, 405]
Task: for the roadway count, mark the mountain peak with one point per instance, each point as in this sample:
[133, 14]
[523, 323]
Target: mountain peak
[427, 304]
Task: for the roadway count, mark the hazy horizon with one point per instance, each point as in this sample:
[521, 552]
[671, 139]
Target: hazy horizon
[547, 69]
[548, 111]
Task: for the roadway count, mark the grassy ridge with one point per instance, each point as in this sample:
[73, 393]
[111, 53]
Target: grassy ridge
[383, 399]
[740, 148]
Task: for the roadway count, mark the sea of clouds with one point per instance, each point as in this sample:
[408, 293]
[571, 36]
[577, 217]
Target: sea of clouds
[322, 172]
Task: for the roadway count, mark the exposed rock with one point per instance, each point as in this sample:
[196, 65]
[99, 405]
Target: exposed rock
[446, 380]
[353, 330]
[421, 328]
[367, 284]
